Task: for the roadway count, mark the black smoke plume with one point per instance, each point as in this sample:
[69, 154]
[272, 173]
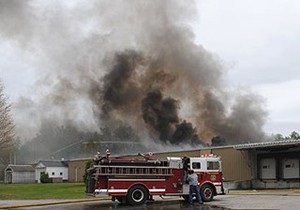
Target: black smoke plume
[161, 114]
[128, 64]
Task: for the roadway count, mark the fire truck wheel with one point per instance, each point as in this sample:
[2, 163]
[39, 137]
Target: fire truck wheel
[137, 195]
[207, 192]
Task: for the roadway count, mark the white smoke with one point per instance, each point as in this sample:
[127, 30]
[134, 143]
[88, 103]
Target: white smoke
[74, 45]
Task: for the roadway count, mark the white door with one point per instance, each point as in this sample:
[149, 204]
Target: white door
[290, 168]
[268, 168]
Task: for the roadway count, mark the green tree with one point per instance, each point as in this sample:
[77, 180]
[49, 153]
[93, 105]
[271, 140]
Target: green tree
[7, 127]
[278, 137]
[294, 135]
[88, 171]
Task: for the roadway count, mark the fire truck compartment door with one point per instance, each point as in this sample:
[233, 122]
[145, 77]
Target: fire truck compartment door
[185, 189]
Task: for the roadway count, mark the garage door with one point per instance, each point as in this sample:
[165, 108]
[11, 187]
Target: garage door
[268, 168]
[290, 168]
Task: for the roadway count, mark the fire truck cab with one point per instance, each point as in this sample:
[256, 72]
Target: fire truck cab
[134, 181]
[210, 176]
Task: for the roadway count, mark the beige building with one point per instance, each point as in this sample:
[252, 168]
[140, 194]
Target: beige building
[245, 166]
[235, 163]
[77, 169]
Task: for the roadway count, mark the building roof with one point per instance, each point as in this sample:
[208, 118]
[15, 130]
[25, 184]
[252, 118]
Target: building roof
[53, 163]
[265, 145]
[20, 168]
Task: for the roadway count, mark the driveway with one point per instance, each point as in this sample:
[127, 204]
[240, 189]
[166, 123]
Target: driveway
[246, 199]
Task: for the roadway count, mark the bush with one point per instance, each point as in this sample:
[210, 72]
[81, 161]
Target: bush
[45, 178]
[88, 165]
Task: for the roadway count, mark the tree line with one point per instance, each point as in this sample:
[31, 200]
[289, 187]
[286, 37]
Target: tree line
[7, 128]
[292, 136]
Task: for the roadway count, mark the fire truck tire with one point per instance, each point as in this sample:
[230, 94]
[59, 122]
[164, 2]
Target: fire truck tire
[137, 195]
[207, 193]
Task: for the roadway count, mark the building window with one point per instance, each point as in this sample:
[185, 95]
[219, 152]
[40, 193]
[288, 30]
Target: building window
[61, 173]
[53, 173]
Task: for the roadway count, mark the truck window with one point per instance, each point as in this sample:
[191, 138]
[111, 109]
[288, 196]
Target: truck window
[196, 165]
[213, 165]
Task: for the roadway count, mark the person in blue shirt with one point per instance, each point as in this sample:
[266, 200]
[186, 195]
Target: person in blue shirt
[193, 183]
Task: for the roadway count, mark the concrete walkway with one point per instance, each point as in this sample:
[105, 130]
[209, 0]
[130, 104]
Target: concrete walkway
[259, 199]
[281, 192]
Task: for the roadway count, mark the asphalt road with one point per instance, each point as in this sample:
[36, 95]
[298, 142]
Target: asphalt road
[247, 200]
[158, 205]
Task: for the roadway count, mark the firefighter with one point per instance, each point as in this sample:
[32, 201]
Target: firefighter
[105, 158]
[185, 162]
[107, 154]
[146, 156]
[97, 158]
[193, 182]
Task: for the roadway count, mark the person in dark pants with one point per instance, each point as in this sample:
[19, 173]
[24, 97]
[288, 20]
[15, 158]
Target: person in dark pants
[193, 182]
[185, 162]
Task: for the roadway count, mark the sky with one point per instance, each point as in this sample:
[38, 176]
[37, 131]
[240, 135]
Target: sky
[258, 41]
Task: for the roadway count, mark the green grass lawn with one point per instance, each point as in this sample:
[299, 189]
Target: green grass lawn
[42, 191]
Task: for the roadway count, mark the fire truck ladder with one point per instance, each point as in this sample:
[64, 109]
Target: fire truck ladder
[133, 170]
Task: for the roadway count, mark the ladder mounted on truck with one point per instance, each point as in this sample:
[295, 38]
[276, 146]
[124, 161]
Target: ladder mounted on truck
[111, 170]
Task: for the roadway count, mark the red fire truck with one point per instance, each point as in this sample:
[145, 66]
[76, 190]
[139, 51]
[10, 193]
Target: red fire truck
[134, 181]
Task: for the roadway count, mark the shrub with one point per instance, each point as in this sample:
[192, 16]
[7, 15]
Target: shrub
[88, 165]
[45, 178]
